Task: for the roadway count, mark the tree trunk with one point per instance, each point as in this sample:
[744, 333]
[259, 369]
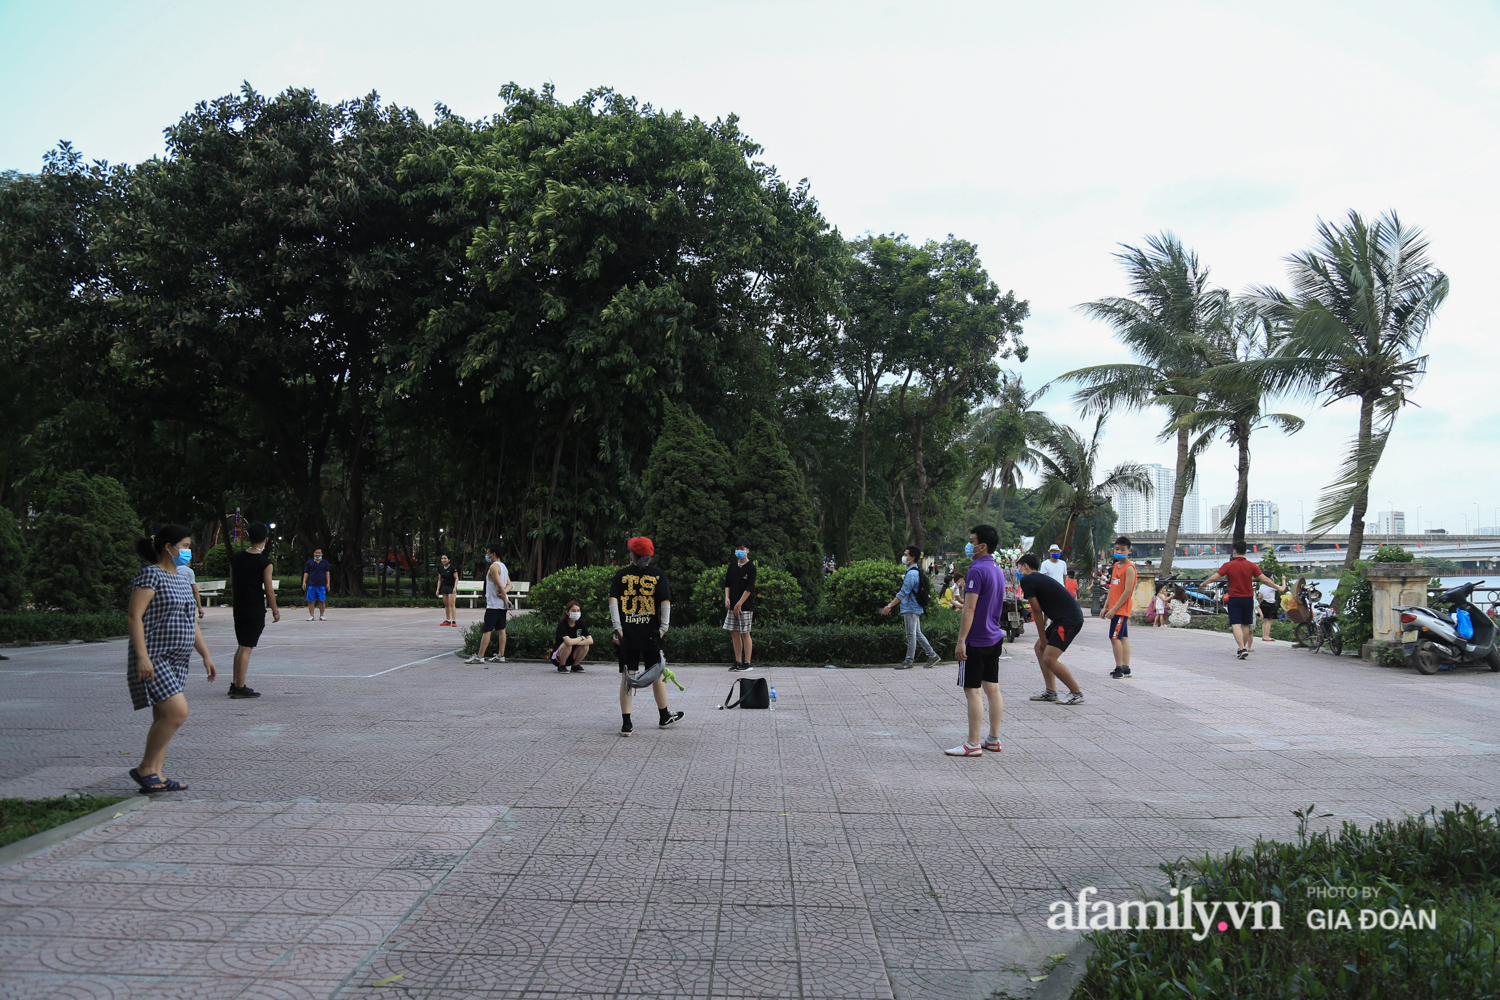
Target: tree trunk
[919, 495]
[1242, 499]
[1069, 528]
[1005, 471]
[864, 452]
[1179, 495]
[1361, 502]
[351, 570]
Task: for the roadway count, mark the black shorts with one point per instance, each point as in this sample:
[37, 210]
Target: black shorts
[638, 659]
[248, 627]
[1061, 636]
[1242, 611]
[1270, 610]
[982, 666]
[444, 591]
[494, 619]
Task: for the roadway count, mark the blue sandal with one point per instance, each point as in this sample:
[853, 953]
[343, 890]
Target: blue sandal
[156, 783]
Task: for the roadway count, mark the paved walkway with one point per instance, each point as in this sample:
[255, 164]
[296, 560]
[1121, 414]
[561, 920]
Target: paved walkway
[385, 811]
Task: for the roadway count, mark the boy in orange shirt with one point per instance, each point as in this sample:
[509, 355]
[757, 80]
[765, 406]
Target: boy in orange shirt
[1117, 606]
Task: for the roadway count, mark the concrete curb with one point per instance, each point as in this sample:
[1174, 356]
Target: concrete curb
[39, 841]
[1063, 980]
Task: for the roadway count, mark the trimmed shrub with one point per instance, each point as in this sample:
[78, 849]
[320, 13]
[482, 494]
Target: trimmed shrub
[529, 637]
[215, 565]
[12, 559]
[869, 534]
[772, 509]
[688, 481]
[778, 597]
[855, 593]
[26, 627]
[588, 585]
[82, 555]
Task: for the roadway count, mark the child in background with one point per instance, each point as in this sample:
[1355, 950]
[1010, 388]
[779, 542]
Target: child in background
[1158, 616]
[1071, 582]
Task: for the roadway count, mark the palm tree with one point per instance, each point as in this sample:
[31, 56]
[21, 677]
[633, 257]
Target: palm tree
[1362, 300]
[1069, 465]
[1000, 440]
[1234, 403]
[1165, 323]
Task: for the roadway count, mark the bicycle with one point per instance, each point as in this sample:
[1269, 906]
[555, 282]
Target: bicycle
[1322, 631]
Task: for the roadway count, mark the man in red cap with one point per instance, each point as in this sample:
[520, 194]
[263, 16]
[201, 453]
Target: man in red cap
[640, 609]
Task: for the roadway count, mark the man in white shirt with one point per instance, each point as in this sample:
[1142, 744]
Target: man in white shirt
[496, 603]
[1054, 566]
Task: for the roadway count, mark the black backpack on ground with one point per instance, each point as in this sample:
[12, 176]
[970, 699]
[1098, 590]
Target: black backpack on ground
[754, 693]
[924, 590]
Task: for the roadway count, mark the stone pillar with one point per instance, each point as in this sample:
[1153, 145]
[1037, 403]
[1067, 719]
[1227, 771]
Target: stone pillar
[1145, 587]
[1393, 584]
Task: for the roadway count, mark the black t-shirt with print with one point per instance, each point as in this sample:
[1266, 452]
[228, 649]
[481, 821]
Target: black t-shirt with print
[448, 577]
[740, 579]
[570, 630]
[640, 591]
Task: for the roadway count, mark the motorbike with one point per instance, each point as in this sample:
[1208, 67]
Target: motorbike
[1430, 638]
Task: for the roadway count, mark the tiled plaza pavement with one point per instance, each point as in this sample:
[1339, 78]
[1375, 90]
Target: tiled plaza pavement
[485, 833]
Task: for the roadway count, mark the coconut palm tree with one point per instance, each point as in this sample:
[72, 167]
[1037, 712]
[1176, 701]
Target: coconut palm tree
[1069, 467]
[1164, 322]
[1362, 300]
[1231, 402]
[1000, 442]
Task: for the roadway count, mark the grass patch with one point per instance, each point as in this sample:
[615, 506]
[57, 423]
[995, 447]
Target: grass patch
[20, 818]
[1448, 862]
[27, 627]
[1281, 629]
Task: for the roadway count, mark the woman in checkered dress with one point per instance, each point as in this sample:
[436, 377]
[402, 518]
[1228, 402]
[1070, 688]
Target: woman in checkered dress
[163, 634]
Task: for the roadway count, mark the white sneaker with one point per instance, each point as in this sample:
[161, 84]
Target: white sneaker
[322, 619]
[473, 659]
[1073, 699]
[1045, 696]
[965, 750]
[497, 659]
[309, 618]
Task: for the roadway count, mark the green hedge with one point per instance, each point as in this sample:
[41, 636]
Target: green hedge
[1280, 628]
[1436, 861]
[588, 585]
[855, 593]
[778, 597]
[529, 637]
[58, 626]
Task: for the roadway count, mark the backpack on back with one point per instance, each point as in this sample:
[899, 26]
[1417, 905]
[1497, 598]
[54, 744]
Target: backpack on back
[924, 590]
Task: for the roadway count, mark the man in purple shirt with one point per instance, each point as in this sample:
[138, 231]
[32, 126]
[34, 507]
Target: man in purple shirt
[979, 640]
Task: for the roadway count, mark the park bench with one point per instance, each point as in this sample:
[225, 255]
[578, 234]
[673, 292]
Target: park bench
[473, 592]
[212, 591]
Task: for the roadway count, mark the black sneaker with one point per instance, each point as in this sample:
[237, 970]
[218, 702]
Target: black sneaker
[740, 667]
[1243, 654]
[561, 669]
[1117, 673]
[626, 728]
[578, 670]
[932, 661]
[242, 692]
[672, 719]
[1125, 671]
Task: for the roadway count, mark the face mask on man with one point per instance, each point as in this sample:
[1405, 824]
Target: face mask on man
[969, 550]
[906, 560]
[1056, 556]
[740, 553]
[184, 556]
[574, 615]
[1121, 555]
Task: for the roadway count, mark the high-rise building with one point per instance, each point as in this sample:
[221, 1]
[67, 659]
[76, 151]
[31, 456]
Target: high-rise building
[1390, 522]
[1262, 518]
[1152, 512]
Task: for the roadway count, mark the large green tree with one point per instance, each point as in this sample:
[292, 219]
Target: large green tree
[1073, 484]
[688, 481]
[1166, 322]
[1361, 303]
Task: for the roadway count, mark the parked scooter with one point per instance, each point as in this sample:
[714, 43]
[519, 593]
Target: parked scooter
[1431, 638]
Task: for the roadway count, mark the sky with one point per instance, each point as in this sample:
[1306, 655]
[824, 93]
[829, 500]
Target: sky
[1047, 134]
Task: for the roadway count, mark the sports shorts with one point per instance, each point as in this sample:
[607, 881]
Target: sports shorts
[983, 665]
[1119, 627]
[1061, 636]
[444, 591]
[317, 594]
[633, 658]
[1242, 611]
[248, 626]
[494, 620]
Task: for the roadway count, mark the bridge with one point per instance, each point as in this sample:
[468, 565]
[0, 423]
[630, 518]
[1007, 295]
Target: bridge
[1200, 550]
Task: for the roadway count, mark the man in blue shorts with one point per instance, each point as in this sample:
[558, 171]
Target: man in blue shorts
[1243, 575]
[980, 638]
[315, 583]
[1058, 618]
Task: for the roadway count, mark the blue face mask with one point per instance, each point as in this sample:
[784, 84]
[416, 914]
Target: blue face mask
[1118, 556]
[1055, 556]
[969, 550]
[184, 556]
[740, 553]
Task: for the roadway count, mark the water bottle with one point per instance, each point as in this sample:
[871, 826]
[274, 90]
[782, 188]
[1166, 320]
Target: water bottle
[773, 692]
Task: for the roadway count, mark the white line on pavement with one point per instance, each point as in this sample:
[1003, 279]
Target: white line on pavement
[413, 663]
